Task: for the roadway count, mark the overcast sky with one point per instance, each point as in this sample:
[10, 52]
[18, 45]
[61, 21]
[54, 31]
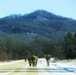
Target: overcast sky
[65, 8]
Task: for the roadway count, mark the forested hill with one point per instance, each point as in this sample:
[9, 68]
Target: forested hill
[38, 33]
[40, 22]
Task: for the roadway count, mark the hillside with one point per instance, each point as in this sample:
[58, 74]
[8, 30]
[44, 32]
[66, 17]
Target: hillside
[40, 23]
[37, 33]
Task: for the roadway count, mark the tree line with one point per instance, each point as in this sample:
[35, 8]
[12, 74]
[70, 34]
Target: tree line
[18, 46]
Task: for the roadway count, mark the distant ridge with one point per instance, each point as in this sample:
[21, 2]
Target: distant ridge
[39, 14]
[44, 14]
[39, 22]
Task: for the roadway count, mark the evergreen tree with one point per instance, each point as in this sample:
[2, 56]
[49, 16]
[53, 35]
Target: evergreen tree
[69, 45]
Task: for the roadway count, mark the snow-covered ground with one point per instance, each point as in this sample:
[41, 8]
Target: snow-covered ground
[56, 68]
[65, 68]
[10, 62]
[59, 68]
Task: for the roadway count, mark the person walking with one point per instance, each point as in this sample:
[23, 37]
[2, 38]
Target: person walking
[48, 59]
[34, 60]
[30, 60]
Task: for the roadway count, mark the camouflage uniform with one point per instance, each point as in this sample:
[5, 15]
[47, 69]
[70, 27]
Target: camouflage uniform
[34, 60]
[48, 59]
[30, 61]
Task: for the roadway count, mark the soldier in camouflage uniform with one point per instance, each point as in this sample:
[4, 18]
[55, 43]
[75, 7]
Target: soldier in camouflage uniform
[48, 59]
[34, 60]
[30, 61]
